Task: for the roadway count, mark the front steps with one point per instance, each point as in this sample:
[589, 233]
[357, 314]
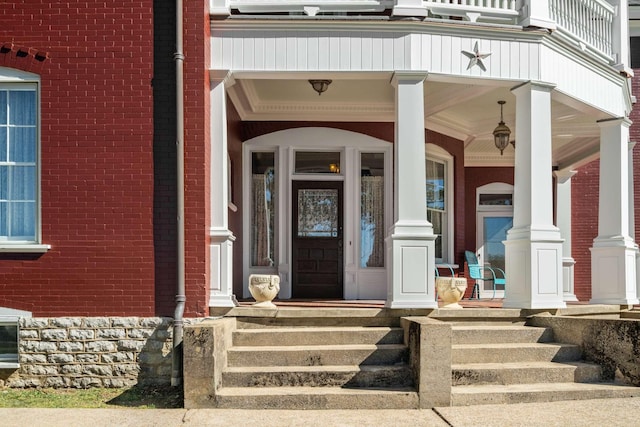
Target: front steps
[362, 358]
[519, 364]
[323, 367]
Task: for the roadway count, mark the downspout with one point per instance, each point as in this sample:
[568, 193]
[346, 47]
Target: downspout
[176, 361]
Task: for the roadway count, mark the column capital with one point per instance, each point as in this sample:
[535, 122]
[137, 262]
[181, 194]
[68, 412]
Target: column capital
[562, 176]
[533, 85]
[615, 121]
[222, 76]
[408, 77]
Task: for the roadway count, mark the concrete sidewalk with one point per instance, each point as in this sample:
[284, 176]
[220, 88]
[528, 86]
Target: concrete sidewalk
[604, 412]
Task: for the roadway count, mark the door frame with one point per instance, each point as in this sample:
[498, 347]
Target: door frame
[483, 211]
[358, 283]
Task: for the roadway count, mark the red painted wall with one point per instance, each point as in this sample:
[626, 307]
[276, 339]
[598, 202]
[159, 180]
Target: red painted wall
[95, 61]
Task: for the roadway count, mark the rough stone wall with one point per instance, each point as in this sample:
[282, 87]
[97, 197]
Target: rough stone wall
[84, 352]
[614, 344]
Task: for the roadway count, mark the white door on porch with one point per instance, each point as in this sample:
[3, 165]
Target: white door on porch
[494, 219]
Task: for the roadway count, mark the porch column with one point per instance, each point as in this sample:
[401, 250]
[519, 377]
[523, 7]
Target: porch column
[411, 243]
[563, 221]
[221, 238]
[613, 255]
[533, 245]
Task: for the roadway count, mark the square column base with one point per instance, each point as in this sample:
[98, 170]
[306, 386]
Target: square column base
[411, 281]
[613, 272]
[534, 273]
[221, 262]
[568, 279]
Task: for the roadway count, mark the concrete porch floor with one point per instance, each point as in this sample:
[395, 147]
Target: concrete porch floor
[477, 309]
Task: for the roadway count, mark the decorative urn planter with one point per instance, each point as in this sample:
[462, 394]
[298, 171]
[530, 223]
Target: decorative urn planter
[451, 290]
[264, 288]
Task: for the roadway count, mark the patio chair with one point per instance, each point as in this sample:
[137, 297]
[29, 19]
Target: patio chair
[478, 273]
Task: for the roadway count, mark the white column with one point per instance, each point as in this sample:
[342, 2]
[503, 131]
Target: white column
[534, 244]
[537, 14]
[411, 243]
[613, 255]
[563, 221]
[221, 238]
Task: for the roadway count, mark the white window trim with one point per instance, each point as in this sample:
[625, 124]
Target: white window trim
[17, 78]
[434, 152]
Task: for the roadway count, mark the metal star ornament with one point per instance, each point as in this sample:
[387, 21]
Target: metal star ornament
[476, 57]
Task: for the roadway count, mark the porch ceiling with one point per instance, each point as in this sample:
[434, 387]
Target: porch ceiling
[466, 110]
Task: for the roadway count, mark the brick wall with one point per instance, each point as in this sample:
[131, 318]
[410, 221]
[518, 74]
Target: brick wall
[96, 156]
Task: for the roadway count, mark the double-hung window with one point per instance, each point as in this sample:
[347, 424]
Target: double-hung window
[439, 203]
[19, 168]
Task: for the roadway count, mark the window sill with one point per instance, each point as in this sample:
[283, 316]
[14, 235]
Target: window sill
[23, 248]
[9, 365]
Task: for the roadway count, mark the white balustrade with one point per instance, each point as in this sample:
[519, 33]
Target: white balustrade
[589, 20]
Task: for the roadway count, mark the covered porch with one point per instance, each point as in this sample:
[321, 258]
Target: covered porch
[409, 109]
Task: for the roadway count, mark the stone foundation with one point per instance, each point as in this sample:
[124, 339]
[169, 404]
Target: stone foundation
[84, 352]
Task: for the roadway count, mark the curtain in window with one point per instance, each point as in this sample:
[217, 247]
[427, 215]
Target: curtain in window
[260, 244]
[372, 221]
[18, 168]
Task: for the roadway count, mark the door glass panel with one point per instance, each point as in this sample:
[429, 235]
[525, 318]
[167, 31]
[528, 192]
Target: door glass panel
[317, 213]
[372, 210]
[495, 232]
[496, 199]
[317, 162]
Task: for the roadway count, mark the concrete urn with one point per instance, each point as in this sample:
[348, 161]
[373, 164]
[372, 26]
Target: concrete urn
[451, 290]
[264, 288]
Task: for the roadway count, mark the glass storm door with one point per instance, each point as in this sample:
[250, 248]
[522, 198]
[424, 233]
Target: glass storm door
[493, 229]
[317, 239]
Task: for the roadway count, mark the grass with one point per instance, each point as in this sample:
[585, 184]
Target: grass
[135, 397]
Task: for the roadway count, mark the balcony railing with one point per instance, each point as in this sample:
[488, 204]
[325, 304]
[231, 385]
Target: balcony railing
[593, 25]
[591, 21]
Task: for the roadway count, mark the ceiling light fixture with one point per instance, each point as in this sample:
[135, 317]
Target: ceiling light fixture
[502, 132]
[320, 85]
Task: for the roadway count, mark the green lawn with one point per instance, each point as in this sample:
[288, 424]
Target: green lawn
[136, 397]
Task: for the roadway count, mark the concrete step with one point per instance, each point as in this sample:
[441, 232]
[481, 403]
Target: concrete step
[277, 322]
[317, 355]
[317, 336]
[514, 352]
[525, 372]
[371, 376]
[315, 398]
[478, 334]
[545, 392]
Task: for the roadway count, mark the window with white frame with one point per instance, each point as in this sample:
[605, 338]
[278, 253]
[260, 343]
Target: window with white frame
[18, 163]
[439, 201]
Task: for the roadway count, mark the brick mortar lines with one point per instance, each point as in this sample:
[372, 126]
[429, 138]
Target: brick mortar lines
[83, 352]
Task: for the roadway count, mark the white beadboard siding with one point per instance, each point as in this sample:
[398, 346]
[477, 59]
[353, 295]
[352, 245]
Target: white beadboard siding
[580, 80]
[278, 50]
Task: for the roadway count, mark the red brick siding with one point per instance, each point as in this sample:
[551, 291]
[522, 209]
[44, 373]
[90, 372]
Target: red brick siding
[96, 157]
[584, 225]
[197, 156]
